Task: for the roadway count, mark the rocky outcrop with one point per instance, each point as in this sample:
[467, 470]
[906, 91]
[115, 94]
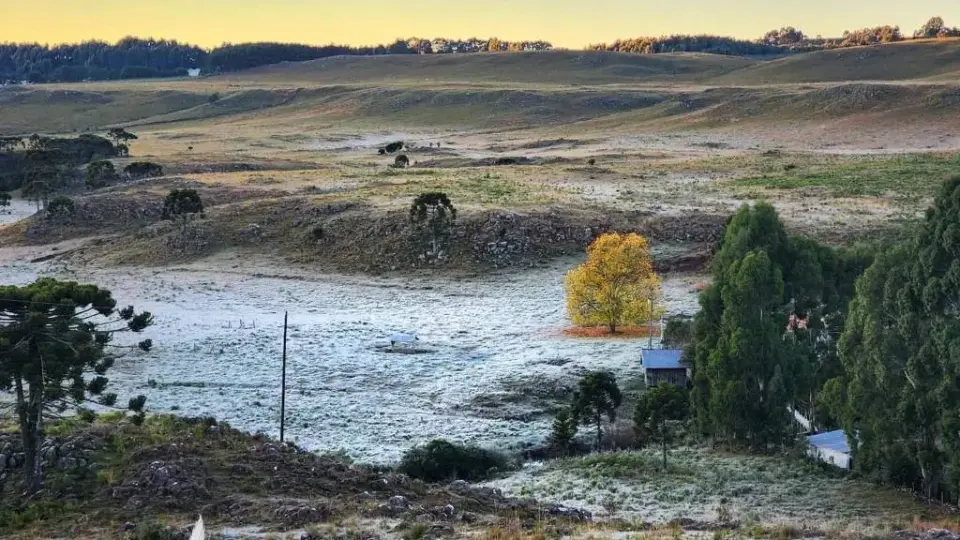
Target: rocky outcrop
[57, 453]
[501, 239]
[168, 484]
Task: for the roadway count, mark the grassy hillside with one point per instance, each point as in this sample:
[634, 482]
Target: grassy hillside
[518, 90]
[595, 109]
[25, 110]
[939, 60]
[551, 67]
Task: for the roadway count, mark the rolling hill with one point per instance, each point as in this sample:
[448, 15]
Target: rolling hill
[539, 68]
[906, 82]
[912, 60]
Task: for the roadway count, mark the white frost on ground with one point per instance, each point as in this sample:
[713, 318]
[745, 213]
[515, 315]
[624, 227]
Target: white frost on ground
[345, 393]
[701, 484]
[18, 209]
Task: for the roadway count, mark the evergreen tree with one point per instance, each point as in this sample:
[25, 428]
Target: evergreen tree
[901, 357]
[655, 408]
[564, 430]
[101, 173]
[766, 336]
[434, 214]
[55, 350]
[598, 396]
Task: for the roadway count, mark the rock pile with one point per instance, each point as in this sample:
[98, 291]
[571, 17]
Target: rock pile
[59, 453]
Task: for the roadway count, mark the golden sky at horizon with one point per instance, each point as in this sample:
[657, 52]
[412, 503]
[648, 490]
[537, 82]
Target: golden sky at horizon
[565, 23]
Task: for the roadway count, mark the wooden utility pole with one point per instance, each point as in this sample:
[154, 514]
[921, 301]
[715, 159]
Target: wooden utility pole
[283, 379]
[650, 327]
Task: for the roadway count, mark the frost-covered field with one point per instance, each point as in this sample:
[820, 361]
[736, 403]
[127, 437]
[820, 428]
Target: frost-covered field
[489, 335]
[713, 486]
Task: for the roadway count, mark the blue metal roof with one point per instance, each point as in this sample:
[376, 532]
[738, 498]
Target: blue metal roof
[662, 359]
[831, 440]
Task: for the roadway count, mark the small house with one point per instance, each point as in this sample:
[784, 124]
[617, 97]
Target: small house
[664, 366]
[830, 447]
[193, 72]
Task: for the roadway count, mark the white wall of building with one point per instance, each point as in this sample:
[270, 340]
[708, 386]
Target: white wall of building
[833, 457]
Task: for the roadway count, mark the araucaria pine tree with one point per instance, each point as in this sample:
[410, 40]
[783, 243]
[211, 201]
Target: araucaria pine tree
[597, 396]
[55, 348]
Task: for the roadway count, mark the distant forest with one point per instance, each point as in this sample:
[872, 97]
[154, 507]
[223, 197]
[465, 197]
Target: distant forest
[132, 58]
[785, 40]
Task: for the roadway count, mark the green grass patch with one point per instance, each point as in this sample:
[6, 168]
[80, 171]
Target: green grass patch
[908, 176]
[17, 518]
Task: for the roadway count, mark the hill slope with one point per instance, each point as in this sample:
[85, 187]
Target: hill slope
[939, 60]
[517, 90]
[550, 67]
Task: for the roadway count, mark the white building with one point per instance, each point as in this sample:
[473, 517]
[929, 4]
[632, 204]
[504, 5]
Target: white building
[193, 72]
[830, 447]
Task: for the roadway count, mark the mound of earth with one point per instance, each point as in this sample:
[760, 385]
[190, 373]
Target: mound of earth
[175, 468]
[346, 236]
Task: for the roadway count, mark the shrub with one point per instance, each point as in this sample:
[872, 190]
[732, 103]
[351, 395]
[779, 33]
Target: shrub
[678, 332]
[440, 460]
[182, 203]
[143, 169]
[61, 205]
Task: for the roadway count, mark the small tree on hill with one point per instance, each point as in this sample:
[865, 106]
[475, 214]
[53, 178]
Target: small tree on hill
[121, 136]
[597, 396]
[55, 340]
[930, 29]
[564, 430]
[101, 173]
[61, 206]
[181, 204]
[616, 285]
[143, 169]
[658, 406]
[433, 212]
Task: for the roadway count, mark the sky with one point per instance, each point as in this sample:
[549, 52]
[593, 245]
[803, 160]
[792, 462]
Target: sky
[565, 23]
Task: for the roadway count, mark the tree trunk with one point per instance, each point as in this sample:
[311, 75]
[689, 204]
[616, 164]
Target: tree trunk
[599, 421]
[29, 409]
[663, 443]
[612, 327]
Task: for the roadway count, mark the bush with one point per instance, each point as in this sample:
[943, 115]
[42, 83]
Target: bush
[61, 205]
[678, 332]
[143, 169]
[440, 460]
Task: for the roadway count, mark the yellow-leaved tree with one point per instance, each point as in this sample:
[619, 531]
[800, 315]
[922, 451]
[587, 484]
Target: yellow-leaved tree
[616, 285]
